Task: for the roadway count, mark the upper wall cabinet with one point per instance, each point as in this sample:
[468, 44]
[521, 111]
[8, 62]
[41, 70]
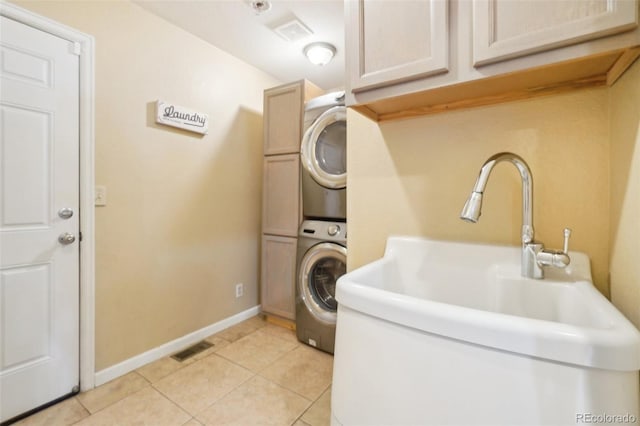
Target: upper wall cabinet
[416, 57]
[505, 29]
[395, 41]
[282, 121]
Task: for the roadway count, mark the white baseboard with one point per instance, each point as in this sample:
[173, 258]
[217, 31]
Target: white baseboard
[120, 369]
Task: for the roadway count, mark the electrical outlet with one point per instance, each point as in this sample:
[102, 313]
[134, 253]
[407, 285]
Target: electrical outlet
[239, 289]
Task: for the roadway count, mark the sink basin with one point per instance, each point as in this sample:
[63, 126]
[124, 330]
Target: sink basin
[474, 292]
[439, 309]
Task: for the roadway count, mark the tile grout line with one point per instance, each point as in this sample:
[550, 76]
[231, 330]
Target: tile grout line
[292, 390]
[168, 374]
[117, 400]
[258, 373]
[82, 405]
[224, 395]
[216, 400]
[312, 402]
[263, 368]
[85, 409]
[113, 403]
[178, 406]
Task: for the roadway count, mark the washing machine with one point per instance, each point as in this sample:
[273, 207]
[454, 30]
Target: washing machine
[321, 260]
[323, 153]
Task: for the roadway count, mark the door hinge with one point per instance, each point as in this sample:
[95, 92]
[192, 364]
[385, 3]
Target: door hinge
[80, 235]
[76, 48]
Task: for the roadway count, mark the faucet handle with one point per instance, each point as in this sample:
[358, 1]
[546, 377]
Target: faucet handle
[557, 258]
[567, 235]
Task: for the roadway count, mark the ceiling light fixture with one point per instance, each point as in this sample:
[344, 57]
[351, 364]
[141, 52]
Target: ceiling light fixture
[319, 53]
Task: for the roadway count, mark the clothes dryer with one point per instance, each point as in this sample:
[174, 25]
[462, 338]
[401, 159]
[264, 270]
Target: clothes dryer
[321, 260]
[323, 153]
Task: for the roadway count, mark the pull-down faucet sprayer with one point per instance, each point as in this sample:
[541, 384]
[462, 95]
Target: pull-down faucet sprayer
[473, 206]
[534, 255]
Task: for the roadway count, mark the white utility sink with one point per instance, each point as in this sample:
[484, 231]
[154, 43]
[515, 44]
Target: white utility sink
[434, 327]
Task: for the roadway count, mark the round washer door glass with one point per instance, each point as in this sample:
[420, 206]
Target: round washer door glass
[320, 269]
[322, 281]
[324, 148]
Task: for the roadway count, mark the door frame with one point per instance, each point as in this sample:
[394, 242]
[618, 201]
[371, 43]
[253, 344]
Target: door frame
[84, 46]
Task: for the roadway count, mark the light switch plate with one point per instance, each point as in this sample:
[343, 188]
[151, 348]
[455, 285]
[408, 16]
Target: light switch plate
[100, 195]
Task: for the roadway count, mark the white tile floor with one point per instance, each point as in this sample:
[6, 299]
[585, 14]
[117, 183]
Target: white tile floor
[256, 373]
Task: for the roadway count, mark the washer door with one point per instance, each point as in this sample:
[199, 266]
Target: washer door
[320, 268]
[324, 148]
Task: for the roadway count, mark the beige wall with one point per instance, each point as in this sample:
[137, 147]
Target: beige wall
[625, 194]
[183, 220]
[413, 176]
[182, 223]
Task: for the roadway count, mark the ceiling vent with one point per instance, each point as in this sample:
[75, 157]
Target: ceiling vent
[293, 30]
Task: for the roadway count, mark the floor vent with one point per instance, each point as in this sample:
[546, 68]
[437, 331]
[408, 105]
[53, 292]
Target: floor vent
[191, 351]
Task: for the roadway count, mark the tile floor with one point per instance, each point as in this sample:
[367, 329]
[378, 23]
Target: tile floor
[255, 373]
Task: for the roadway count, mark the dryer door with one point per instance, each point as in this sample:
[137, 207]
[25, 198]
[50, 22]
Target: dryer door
[324, 148]
[320, 269]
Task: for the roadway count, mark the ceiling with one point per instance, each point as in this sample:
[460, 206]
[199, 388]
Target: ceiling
[235, 27]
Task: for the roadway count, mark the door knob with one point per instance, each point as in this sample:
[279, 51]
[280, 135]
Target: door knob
[65, 213]
[66, 238]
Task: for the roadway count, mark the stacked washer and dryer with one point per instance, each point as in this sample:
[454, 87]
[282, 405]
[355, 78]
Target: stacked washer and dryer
[322, 240]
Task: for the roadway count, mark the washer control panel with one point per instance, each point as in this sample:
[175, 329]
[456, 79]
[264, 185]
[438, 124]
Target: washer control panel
[324, 230]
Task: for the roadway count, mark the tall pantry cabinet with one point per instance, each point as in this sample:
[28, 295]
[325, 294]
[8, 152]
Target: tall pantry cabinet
[281, 200]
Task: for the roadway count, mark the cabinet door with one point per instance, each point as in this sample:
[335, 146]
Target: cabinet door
[283, 106]
[504, 29]
[278, 275]
[281, 196]
[394, 41]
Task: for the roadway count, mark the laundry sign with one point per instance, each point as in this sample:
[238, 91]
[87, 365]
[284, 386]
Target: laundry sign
[176, 116]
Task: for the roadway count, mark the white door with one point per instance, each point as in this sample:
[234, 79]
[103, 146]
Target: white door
[39, 201]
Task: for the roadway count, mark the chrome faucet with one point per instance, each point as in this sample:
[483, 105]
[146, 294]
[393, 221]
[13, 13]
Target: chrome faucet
[534, 255]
